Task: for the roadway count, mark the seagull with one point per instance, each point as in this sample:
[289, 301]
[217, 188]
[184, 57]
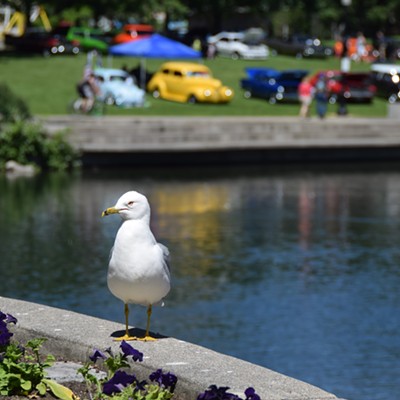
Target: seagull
[138, 270]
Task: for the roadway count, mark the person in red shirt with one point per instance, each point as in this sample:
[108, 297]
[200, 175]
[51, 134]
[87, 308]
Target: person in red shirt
[305, 92]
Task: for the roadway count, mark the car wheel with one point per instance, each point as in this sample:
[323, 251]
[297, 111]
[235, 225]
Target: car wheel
[235, 56]
[156, 93]
[109, 100]
[247, 94]
[192, 99]
[332, 100]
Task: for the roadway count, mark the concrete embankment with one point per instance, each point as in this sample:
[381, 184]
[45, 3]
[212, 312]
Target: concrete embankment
[109, 140]
[73, 336]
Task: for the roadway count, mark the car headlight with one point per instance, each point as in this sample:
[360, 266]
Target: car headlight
[280, 89]
[207, 92]
[228, 92]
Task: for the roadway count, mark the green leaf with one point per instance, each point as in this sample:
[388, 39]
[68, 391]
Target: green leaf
[41, 388]
[60, 391]
[26, 385]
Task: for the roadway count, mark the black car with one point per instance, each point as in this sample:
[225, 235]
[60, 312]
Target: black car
[41, 42]
[386, 78]
[300, 46]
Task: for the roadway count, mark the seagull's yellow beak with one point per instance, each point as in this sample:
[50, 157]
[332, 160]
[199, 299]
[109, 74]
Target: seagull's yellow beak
[110, 210]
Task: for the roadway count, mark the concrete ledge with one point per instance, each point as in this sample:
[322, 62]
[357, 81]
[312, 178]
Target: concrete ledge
[73, 336]
[125, 140]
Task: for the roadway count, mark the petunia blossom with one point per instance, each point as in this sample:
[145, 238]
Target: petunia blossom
[128, 350]
[217, 393]
[251, 394]
[118, 382]
[166, 381]
[5, 334]
[96, 355]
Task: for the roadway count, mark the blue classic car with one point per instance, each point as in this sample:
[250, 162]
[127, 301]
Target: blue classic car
[118, 87]
[271, 84]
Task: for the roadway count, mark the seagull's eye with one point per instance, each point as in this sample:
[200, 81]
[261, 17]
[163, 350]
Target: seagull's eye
[131, 203]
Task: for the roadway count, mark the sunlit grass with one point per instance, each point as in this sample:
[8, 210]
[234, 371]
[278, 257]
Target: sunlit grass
[48, 85]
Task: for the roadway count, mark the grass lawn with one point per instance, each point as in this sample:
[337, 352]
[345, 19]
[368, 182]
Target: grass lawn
[48, 85]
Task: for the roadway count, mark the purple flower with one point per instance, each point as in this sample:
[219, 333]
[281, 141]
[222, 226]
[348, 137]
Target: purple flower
[128, 350]
[251, 394]
[5, 334]
[96, 355]
[11, 320]
[118, 382]
[166, 381]
[7, 318]
[217, 393]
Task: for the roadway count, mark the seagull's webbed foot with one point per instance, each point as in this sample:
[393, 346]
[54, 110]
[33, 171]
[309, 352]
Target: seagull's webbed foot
[146, 338]
[126, 338]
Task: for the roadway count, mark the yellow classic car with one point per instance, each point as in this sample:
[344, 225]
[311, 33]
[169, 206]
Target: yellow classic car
[188, 82]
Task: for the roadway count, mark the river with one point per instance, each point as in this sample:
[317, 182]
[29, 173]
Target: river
[295, 268]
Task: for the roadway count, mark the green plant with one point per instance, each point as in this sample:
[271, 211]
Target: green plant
[119, 385]
[27, 143]
[22, 372]
[12, 107]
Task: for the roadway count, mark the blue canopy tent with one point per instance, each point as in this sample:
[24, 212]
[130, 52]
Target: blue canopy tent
[154, 46]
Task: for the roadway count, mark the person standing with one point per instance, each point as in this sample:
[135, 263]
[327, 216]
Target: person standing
[321, 97]
[305, 93]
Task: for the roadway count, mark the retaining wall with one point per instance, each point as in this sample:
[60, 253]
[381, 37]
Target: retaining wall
[74, 336]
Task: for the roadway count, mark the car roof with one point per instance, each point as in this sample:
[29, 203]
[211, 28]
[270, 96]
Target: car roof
[110, 71]
[273, 73]
[392, 69]
[140, 27]
[185, 66]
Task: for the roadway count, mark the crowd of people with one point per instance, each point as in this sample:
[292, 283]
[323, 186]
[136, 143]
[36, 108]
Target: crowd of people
[318, 92]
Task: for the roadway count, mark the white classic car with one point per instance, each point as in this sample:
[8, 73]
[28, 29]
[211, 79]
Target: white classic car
[119, 88]
[234, 45]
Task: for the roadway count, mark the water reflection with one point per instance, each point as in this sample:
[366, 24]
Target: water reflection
[294, 269]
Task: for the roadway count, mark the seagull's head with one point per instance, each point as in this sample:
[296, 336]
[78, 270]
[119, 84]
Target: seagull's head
[131, 205]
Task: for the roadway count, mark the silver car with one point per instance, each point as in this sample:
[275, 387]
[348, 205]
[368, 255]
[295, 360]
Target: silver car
[119, 88]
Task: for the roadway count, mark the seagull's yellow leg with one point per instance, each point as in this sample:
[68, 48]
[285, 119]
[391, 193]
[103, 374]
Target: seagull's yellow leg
[126, 336]
[147, 337]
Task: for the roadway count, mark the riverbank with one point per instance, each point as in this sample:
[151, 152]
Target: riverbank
[73, 336]
[107, 140]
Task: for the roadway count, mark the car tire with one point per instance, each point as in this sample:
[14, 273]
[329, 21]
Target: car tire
[156, 93]
[247, 94]
[109, 100]
[235, 56]
[192, 99]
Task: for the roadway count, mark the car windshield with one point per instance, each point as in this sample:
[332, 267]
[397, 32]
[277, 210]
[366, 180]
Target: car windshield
[198, 74]
[117, 78]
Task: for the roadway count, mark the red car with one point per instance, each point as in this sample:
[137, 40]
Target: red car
[133, 32]
[355, 87]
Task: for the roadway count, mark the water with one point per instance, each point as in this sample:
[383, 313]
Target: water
[295, 269]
